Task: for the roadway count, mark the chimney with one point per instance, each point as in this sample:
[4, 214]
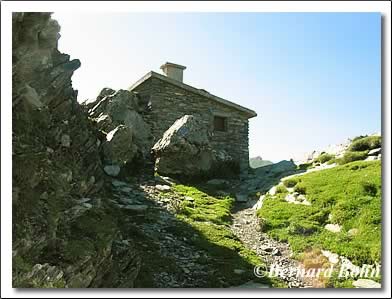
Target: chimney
[173, 71]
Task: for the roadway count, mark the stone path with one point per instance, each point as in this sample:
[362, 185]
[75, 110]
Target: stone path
[185, 269]
[247, 227]
[174, 261]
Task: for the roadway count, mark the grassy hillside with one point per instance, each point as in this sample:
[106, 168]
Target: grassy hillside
[348, 195]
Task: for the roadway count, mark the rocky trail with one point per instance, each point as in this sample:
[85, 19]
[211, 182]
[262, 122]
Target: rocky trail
[248, 228]
[170, 259]
[158, 243]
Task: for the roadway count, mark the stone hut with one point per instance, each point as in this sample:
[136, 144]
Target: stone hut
[167, 98]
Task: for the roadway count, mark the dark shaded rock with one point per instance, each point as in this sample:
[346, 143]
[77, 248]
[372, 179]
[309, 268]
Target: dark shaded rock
[184, 149]
[121, 107]
[57, 241]
[119, 149]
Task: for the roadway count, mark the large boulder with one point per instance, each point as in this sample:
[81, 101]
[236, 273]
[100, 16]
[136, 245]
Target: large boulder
[118, 149]
[114, 108]
[184, 149]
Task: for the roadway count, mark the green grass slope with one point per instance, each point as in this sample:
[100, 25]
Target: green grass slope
[348, 195]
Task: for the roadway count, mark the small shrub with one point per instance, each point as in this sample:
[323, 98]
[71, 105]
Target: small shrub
[305, 166]
[300, 188]
[281, 189]
[369, 188]
[365, 143]
[359, 137]
[289, 183]
[333, 160]
[324, 158]
[339, 161]
[353, 156]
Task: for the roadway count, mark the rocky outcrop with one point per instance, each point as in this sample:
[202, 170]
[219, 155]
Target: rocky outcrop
[128, 137]
[264, 178]
[184, 149]
[118, 148]
[65, 234]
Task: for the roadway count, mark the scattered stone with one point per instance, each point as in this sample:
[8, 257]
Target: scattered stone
[44, 196]
[136, 208]
[240, 197]
[117, 183]
[126, 201]
[335, 228]
[272, 191]
[366, 283]
[353, 232]
[126, 189]
[112, 170]
[83, 200]
[65, 140]
[87, 205]
[333, 258]
[301, 197]
[374, 152]
[371, 158]
[239, 271]
[163, 180]
[259, 203]
[163, 188]
[290, 198]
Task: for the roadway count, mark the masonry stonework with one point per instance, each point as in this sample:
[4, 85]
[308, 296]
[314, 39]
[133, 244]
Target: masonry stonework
[169, 102]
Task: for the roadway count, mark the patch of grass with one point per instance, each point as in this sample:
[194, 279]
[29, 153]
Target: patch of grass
[365, 143]
[289, 183]
[323, 158]
[305, 166]
[300, 188]
[350, 156]
[351, 193]
[204, 207]
[333, 160]
[281, 189]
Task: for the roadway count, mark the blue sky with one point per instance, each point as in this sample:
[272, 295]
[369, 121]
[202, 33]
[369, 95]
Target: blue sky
[313, 78]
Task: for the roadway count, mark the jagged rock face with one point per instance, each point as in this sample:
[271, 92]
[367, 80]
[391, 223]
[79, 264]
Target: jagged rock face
[118, 149]
[184, 149]
[118, 111]
[64, 235]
